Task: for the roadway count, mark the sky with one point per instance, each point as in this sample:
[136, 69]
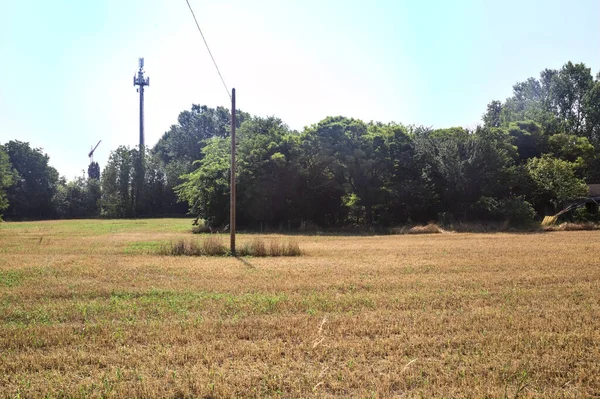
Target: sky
[67, 66]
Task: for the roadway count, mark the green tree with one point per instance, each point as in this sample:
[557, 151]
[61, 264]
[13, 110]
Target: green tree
[206, 189]
[570, 91]
[592, 113]
[354, 155]
[77, 199]
[156, 199]
[117, 184]
[570, 147]
[94, 171]
[532, 101]
[552, 182]
[266, 176]
[493, 115]
[326, 169]
[466, 175]
[182, 145]
[35, 182]
[440, 156]
[528, 137]
[561, 101]
[7, 179]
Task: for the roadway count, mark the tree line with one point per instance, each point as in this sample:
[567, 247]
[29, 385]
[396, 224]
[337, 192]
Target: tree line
[533, 153]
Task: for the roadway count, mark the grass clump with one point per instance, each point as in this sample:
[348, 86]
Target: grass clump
[213, 246]
[10, 278]
[257, 247]
[210, 246]
[292, 249]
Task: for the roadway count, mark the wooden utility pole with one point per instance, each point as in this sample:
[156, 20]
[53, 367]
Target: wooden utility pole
[232, 180]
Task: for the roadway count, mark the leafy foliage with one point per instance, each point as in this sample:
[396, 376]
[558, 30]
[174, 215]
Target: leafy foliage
[553, 181]
[94, 171]
[533, 154]
[79, 198]
[7, 178]
[35, 182]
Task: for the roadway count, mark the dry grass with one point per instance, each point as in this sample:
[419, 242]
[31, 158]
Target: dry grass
[258, 247]
[213, 246]
[201, 229]
[209, 246]
[430, 228]
[87, 309]
[568, 226]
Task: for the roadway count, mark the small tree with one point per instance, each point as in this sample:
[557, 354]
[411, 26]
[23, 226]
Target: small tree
[553, 182]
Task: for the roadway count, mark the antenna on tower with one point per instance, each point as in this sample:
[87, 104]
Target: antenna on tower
[141, 81]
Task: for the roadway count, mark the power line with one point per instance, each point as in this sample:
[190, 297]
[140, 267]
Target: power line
[211, 56]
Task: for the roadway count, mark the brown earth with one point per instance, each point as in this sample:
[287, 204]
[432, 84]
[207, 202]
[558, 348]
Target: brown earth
[87, 309]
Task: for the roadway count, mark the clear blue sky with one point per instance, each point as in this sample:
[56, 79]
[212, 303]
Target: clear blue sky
[66, 66]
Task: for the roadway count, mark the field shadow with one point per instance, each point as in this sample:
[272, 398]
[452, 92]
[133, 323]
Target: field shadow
[246, 262]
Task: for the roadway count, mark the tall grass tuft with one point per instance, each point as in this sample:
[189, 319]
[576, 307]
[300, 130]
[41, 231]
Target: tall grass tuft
[176, 248]
[258, 248]
[292, 249]
[213, 246]
[276, 248]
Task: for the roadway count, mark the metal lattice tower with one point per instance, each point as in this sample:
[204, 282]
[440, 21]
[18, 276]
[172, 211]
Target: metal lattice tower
[141, 81]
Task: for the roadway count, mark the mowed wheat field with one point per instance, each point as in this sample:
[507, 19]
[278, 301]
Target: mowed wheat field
[88, 309]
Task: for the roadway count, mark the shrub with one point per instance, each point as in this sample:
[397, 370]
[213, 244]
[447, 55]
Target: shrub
[514, 210]
[518, 212]
[582, 215]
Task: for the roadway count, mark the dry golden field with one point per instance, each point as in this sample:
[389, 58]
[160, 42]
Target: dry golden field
[88, 310]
